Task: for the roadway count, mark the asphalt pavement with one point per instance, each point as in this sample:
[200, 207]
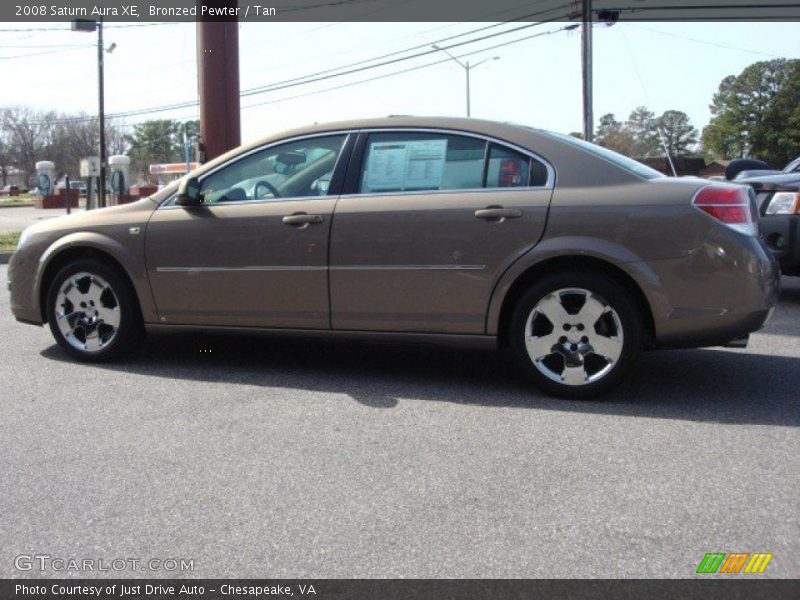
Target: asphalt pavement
[287, 458]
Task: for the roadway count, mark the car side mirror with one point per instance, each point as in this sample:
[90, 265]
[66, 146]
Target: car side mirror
[189, 193]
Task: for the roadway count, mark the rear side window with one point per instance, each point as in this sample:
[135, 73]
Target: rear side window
[420, 161]
[507, 168]
[405, 162]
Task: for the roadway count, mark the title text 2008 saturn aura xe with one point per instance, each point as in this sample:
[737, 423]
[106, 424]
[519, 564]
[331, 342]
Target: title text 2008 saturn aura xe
[438, 229]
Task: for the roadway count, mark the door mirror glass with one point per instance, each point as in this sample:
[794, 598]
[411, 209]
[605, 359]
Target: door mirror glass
[189, 193]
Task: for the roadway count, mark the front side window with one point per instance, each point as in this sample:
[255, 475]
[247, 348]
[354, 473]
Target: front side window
[295, 169]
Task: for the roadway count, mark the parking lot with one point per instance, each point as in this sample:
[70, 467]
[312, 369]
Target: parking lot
[264, 457]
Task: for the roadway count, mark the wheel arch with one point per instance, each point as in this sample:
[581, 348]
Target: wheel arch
[522, 281]
[76, 247]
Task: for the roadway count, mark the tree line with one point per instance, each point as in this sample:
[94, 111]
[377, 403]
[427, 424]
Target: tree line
[754, 114]
[28, 136]
[644, 135]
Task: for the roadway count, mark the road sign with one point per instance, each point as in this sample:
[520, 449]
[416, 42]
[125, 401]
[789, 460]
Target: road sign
[90, 167]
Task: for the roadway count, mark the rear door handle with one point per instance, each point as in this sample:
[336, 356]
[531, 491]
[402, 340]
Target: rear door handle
[302, 219]
[498, 213]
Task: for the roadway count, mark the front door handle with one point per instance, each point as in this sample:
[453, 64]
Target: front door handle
[302, 219]
[498, 213]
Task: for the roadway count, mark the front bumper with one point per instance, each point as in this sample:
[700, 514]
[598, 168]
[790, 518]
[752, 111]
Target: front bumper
[781, 234]
[22, 269]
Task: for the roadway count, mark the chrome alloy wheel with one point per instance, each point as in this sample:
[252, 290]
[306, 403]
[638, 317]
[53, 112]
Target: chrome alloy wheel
[573, 336]
[87, 312]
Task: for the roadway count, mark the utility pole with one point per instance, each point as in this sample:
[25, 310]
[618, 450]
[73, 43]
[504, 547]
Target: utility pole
[101, 191]
[586, 60]
[218, 83]
[88, 25]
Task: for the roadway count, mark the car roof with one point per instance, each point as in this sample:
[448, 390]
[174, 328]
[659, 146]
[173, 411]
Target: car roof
[509, 132]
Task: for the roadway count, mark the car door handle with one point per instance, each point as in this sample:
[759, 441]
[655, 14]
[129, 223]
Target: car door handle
[498, 213]
[302, 219]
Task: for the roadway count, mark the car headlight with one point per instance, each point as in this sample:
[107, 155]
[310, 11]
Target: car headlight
[784, 203]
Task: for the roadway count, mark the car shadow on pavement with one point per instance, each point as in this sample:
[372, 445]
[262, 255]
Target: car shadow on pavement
[711, 385]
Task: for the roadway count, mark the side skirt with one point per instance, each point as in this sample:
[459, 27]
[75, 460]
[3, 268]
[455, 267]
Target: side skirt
[487, 342]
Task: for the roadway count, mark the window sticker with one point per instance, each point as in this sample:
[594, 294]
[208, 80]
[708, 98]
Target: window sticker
[402, 166]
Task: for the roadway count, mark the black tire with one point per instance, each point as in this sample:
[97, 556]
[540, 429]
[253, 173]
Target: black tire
[626, 315]
[129, 330]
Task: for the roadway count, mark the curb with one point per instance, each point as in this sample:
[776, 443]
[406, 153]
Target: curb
[17, 205]
[4, 257]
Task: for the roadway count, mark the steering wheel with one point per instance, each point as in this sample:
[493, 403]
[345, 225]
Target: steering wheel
[265, 187]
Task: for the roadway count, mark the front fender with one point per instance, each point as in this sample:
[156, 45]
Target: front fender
[130, 257]
[578, 247]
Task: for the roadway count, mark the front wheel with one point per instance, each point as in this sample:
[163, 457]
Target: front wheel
[92, 311]
[576, 334]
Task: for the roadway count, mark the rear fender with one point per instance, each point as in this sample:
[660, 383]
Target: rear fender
[577, 248]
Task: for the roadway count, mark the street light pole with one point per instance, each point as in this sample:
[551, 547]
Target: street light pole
[101, 116]
[467, 68]
[586, 61]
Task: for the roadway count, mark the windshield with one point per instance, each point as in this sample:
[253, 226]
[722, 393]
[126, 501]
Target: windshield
[793, 166]
[618, 159]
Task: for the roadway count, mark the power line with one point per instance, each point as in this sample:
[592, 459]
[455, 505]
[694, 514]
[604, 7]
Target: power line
[706, 42]
[410, 69]
[329, 75]
[43, 45]
[59, 51]
[319, 75]
[338, 72]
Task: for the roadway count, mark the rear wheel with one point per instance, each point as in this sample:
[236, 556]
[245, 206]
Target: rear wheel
[576, 334]
[92, 311]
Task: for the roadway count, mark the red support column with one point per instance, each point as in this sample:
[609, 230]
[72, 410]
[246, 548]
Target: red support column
[218, 85]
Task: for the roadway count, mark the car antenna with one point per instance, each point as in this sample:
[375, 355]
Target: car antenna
[647, 99]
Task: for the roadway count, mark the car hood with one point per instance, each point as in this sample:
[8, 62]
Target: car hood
[784, 181]
[138, 211]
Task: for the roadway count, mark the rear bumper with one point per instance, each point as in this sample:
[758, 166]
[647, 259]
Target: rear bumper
[781, 234]
[722, 292]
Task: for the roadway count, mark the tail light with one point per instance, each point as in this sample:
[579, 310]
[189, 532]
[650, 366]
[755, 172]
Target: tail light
[729, 205]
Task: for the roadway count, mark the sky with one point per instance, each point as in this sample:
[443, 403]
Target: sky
[536, 82]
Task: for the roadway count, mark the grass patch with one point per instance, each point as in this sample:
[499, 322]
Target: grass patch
[21, 199]
[8, 241]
